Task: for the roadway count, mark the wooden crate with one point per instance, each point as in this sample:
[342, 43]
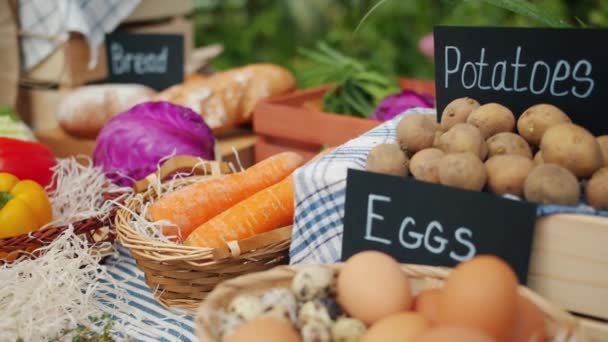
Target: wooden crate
[285, 124]
[156, 9]
[569, 263]
[596, 330]
[37, 105]
[68, 66]
[296, 122]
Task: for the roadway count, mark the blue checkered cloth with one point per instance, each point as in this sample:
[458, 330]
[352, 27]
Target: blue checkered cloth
[146, 319]
[320, 189]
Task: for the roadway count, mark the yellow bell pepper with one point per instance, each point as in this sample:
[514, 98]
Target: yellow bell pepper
[24, 206]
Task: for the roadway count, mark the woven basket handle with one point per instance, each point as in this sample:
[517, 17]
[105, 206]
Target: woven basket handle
[183, 163]
[236, 248]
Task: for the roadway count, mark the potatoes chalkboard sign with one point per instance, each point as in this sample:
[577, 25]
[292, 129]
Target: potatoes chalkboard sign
[520, 67]
[429, 224]
[155, 60]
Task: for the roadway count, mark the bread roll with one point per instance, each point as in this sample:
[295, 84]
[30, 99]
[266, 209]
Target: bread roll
[84, 111]
[228, 98]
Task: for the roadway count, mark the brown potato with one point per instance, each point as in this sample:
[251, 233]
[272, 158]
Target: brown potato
[538, 158]
[551, 183]
[424, 165]
[507, 173]
[457, 111]
[572, 147]
[491, 119]
[597, 189]
[463, 137]
[462, 170]
[508, 143]
[416, 132]
[535, 121]
[603, 141]
[388, 159]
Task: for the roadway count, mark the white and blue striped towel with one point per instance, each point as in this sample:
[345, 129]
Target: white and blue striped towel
[146, 320]
[320, 189]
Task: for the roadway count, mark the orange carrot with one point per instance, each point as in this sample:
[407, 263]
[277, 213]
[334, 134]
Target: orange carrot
[268, 209]
[195, 204]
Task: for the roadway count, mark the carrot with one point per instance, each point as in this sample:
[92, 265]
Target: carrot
[195, 204]
[268, 209]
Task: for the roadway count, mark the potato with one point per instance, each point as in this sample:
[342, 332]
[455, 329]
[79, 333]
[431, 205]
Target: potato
[572, 147]
[507, 173]
[551, 183]
[538, 158]
[508, 143]
[462, 170]
[491, 119]
[416, 132]
[603, 141]
[424, 165]
[463, 137]
[457, 111]
[535, 121]
[597, 189]
[388, 159]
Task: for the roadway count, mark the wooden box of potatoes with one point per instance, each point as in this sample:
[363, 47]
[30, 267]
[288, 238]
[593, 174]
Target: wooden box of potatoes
[542, 157]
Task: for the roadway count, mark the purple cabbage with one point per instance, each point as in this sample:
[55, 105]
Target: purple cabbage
[130, 146]
[396, 104]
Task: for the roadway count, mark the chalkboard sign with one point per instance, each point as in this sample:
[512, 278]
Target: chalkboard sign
[155, 60]
[423, 223]
[521, 67]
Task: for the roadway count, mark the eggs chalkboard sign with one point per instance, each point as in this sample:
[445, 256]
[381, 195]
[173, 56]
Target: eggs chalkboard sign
[429, 224]
[155, 60]
[521, 67]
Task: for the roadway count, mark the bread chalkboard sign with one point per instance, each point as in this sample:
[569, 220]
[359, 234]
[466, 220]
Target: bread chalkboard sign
[521, 67]
[423, 223]
[155, 60]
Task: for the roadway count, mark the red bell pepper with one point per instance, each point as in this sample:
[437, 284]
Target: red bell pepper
[27, 160]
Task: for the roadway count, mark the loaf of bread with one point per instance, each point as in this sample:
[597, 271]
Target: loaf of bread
[228, 98]
[85, 110]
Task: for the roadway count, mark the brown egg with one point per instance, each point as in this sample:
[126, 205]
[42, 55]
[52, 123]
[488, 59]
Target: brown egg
[402, 327]
[371, 286]
[264, 330]
[530, 322]
[481, 294]
[454, 334]
[426, 303]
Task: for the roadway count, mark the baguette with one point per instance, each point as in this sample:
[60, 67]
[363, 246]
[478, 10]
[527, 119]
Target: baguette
[228, 98]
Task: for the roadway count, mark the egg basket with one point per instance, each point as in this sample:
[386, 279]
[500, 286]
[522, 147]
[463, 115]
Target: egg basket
[96, 232]
[561, 326]
[182, 276]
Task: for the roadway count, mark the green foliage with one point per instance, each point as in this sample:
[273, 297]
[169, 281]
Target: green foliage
[273, 30]
[357, 87]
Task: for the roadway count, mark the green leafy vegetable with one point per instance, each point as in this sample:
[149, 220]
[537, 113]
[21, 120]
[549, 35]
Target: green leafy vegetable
[357, 88]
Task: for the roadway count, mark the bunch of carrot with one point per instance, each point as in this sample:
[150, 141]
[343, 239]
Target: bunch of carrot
[232, 207]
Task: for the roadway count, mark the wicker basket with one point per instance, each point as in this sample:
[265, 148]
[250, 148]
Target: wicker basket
[94, 230]
[561, 326]
[182, 276]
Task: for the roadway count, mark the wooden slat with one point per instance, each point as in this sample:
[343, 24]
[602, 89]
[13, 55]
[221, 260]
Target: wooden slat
[597, 331]
[264, 149]
[312, 127]
[569, 263]
[158, 9]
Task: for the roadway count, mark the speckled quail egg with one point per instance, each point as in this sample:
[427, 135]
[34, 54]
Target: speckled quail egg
[313, 311]
[276, 311]
[283, 297]
[315, 331]
[246, 307]
[347, 330]
[313, 282]
[227, 323]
